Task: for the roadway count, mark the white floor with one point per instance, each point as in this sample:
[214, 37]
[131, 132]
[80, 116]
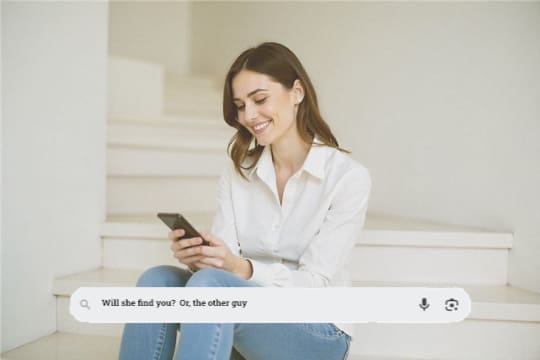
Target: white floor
[63, 346]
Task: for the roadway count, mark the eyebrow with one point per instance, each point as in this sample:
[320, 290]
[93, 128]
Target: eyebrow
[251, 93]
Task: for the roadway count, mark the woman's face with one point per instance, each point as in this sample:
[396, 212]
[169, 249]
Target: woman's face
[265, 107]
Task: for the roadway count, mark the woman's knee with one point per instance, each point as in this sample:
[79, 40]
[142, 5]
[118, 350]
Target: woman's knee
[163, 275]
[209, 277]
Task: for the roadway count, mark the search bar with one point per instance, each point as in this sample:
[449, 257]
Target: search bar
[269, 305]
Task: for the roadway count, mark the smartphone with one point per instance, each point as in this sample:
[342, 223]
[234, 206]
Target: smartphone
[177, 221]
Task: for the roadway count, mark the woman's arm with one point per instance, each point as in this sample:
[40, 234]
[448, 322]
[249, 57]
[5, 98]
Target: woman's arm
[224, 223]
[224, 251]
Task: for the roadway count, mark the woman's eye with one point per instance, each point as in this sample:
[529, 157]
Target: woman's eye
[258, 102]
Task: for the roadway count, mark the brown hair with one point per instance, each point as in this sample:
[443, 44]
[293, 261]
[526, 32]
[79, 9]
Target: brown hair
[281, 65]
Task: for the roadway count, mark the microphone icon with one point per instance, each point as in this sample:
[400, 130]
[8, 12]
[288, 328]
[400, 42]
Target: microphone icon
[424, 304]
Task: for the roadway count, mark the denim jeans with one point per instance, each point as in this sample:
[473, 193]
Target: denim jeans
[226, 341]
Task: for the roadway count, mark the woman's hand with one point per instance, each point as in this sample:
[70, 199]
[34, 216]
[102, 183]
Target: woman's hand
[216, 255]
[186, 250]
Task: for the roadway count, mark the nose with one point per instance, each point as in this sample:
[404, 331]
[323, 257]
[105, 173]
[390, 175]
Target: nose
[251, 111]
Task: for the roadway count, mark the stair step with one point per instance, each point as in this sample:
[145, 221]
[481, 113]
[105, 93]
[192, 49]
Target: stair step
[380, 254]
[144, 238]
[421, 233]
[192, 94]
[200, 97]
[68, 346]
[66, 285]
[147, 194]
[168, 120]
[374, 357]
[127, 161]
[65, 322]
[164, 149]
[469, 339]
[65, 346]
[193, 109]
[504, 323]
[117, 224]
[192, 82]
[135, 88]
[170, 136]
[168, 132]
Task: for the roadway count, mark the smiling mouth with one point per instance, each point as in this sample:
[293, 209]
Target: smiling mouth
[258, 129]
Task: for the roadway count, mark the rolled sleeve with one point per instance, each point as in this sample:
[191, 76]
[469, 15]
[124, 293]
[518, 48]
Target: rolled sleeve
[224, 224]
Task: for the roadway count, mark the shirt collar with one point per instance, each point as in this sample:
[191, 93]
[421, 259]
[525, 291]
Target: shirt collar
[314, 163]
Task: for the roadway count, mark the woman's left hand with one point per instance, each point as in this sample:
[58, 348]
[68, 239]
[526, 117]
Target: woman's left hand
[219, 256]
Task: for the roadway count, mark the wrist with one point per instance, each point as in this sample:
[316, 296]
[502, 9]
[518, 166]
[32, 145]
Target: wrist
[242, 267]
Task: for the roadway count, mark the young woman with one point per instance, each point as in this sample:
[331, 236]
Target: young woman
[291, 206]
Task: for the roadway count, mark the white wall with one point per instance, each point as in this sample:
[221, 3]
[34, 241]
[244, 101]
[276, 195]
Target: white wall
[1, 177]
[154, 31]
[53, 147]
[439, 100]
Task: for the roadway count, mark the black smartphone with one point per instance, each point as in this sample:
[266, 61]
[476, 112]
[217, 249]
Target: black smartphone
[177, 221]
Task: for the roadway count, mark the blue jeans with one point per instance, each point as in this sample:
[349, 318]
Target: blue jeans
[226, 341]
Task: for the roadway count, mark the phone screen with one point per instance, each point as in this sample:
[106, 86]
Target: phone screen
[177, 221]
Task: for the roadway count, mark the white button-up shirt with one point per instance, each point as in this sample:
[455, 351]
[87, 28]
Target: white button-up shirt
[307, 240]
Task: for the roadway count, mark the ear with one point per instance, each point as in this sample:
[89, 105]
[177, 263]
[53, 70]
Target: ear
[298, 91]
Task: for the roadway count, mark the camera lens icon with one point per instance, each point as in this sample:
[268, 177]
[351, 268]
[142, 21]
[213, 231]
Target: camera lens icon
[451, 305]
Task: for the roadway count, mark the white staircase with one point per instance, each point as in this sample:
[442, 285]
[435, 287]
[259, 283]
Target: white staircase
[172, 163]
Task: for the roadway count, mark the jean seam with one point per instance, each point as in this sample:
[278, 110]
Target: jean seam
[348, 343]
[215, 344]
[337, 334]
[160, 343]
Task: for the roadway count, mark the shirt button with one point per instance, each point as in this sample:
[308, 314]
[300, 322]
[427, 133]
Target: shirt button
[276, 226]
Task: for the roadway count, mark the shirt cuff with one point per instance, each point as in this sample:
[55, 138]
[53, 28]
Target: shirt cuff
[262, 273]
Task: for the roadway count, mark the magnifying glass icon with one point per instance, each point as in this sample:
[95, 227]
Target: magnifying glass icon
[84, 304]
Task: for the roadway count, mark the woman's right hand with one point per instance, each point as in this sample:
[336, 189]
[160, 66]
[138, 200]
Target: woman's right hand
[185, 250]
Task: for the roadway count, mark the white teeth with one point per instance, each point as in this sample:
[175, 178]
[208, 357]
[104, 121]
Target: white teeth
[262, 126]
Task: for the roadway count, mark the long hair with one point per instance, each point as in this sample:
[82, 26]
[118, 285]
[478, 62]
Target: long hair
[281, 65]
